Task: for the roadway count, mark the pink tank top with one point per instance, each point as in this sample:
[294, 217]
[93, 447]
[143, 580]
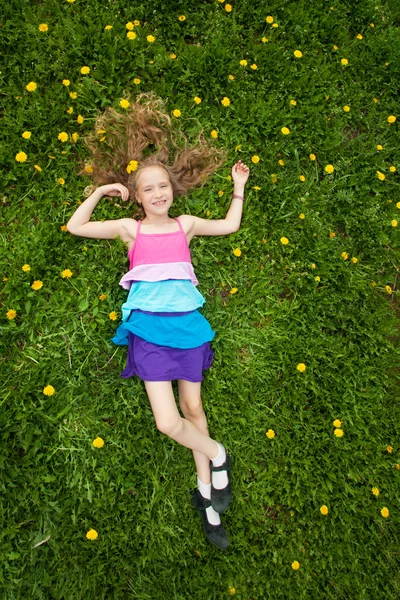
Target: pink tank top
[156, 248]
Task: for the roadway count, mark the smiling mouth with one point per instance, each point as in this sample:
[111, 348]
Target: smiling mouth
[160, 203]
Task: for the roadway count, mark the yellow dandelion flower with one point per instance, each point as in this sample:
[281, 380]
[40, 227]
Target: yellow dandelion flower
[275, 25]
[243, 63]
[338, 432]
[317, 278]
[75, 137]
[131, 35]
[301, 216]
[228, 7]
[391, 119]
[346, 108]
[270, 434]
[85, 70]
[176, 112]
[324, 509]
[48, 390]
[66, 273]
[124, 103]
[61, 181]
[237, 252]
[380, 175]
[397, 466]
[264, 39]
[394, 223]
[103, 297]
[298, 53]
[233, 290]
[359, 36]
[172, 55]
[43, 27]
[301, 367]
[113, 315]
[295, 565]
[31, 87]
[129, 26]
[354, 260]
[375, 491]
[232, 591]
[337, 423]
[332, 234]
[214, 134]
[11, 314]
[344, 255]
[336, 47]
[98, 442]
[344, 61]
[136, 81]
[313, 266]
[38, 168]
[225, 101]
[64, 227]
[70, 110]
[231, 77]
[302, 178]
[132, 166]
[79, 119]
[197, 99]
[66, 82]
[255, 159]
[150, 38]
[88, 169]
[21, 157]
[92, 533]
[254, 67]
[329, 169]
[284, 240]
[108, 27]
[388, 289]
[136, 23]
[293, 102]
[37, 284]
[312, 157]
[392, 169]
[27, 135]
[63, 136]
[385, 512]
[269, 19]
[26, 268]
[281, 162]
[73, 95]
[389, 449]
[182, 18]
[285, 130]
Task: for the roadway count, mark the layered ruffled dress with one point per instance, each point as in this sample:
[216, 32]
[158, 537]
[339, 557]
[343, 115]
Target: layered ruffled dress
[167, 337]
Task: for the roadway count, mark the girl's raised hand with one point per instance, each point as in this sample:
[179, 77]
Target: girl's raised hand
[240, 172]
[115, 189]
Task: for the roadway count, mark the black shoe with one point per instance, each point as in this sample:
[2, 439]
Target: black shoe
[215, 533]
[221, 498]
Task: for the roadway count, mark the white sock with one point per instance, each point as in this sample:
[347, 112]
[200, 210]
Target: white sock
[219, 478]
[205, 491]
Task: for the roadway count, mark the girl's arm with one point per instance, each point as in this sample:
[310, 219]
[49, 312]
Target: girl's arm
[79, 222]
[231, 223]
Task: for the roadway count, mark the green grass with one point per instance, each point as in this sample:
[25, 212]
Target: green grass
[135, 491]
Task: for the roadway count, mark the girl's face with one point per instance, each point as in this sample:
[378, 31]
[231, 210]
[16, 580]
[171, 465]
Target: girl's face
[154, 191]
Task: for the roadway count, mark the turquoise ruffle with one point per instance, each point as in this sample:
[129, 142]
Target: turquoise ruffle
[184, 331]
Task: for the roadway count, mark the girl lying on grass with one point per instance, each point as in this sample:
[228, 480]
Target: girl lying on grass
[167, 337]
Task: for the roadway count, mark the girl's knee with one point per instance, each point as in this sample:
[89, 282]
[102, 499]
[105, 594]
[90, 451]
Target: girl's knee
[170, 428]
[192, 407]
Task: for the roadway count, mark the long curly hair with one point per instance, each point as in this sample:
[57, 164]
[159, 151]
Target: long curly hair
[123, 144]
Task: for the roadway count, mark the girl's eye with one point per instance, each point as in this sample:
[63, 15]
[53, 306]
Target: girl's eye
[149, 189]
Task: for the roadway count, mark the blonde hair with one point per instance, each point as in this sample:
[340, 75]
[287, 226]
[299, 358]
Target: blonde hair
[130, 136]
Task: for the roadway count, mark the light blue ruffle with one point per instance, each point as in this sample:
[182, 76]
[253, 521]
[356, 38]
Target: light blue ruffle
[171, 295]
[185, 331]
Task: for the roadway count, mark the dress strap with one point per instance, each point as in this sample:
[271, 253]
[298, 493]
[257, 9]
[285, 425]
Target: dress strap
[180, 226]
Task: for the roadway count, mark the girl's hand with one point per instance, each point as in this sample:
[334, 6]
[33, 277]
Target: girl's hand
[240, 172]
[115, 189]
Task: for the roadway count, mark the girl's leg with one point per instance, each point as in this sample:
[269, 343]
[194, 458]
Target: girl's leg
[192, 409]
[169, 421]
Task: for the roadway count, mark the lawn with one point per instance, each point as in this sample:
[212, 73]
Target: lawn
[303, 391]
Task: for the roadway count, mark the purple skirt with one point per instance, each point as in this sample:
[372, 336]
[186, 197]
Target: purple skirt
[151, 362]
